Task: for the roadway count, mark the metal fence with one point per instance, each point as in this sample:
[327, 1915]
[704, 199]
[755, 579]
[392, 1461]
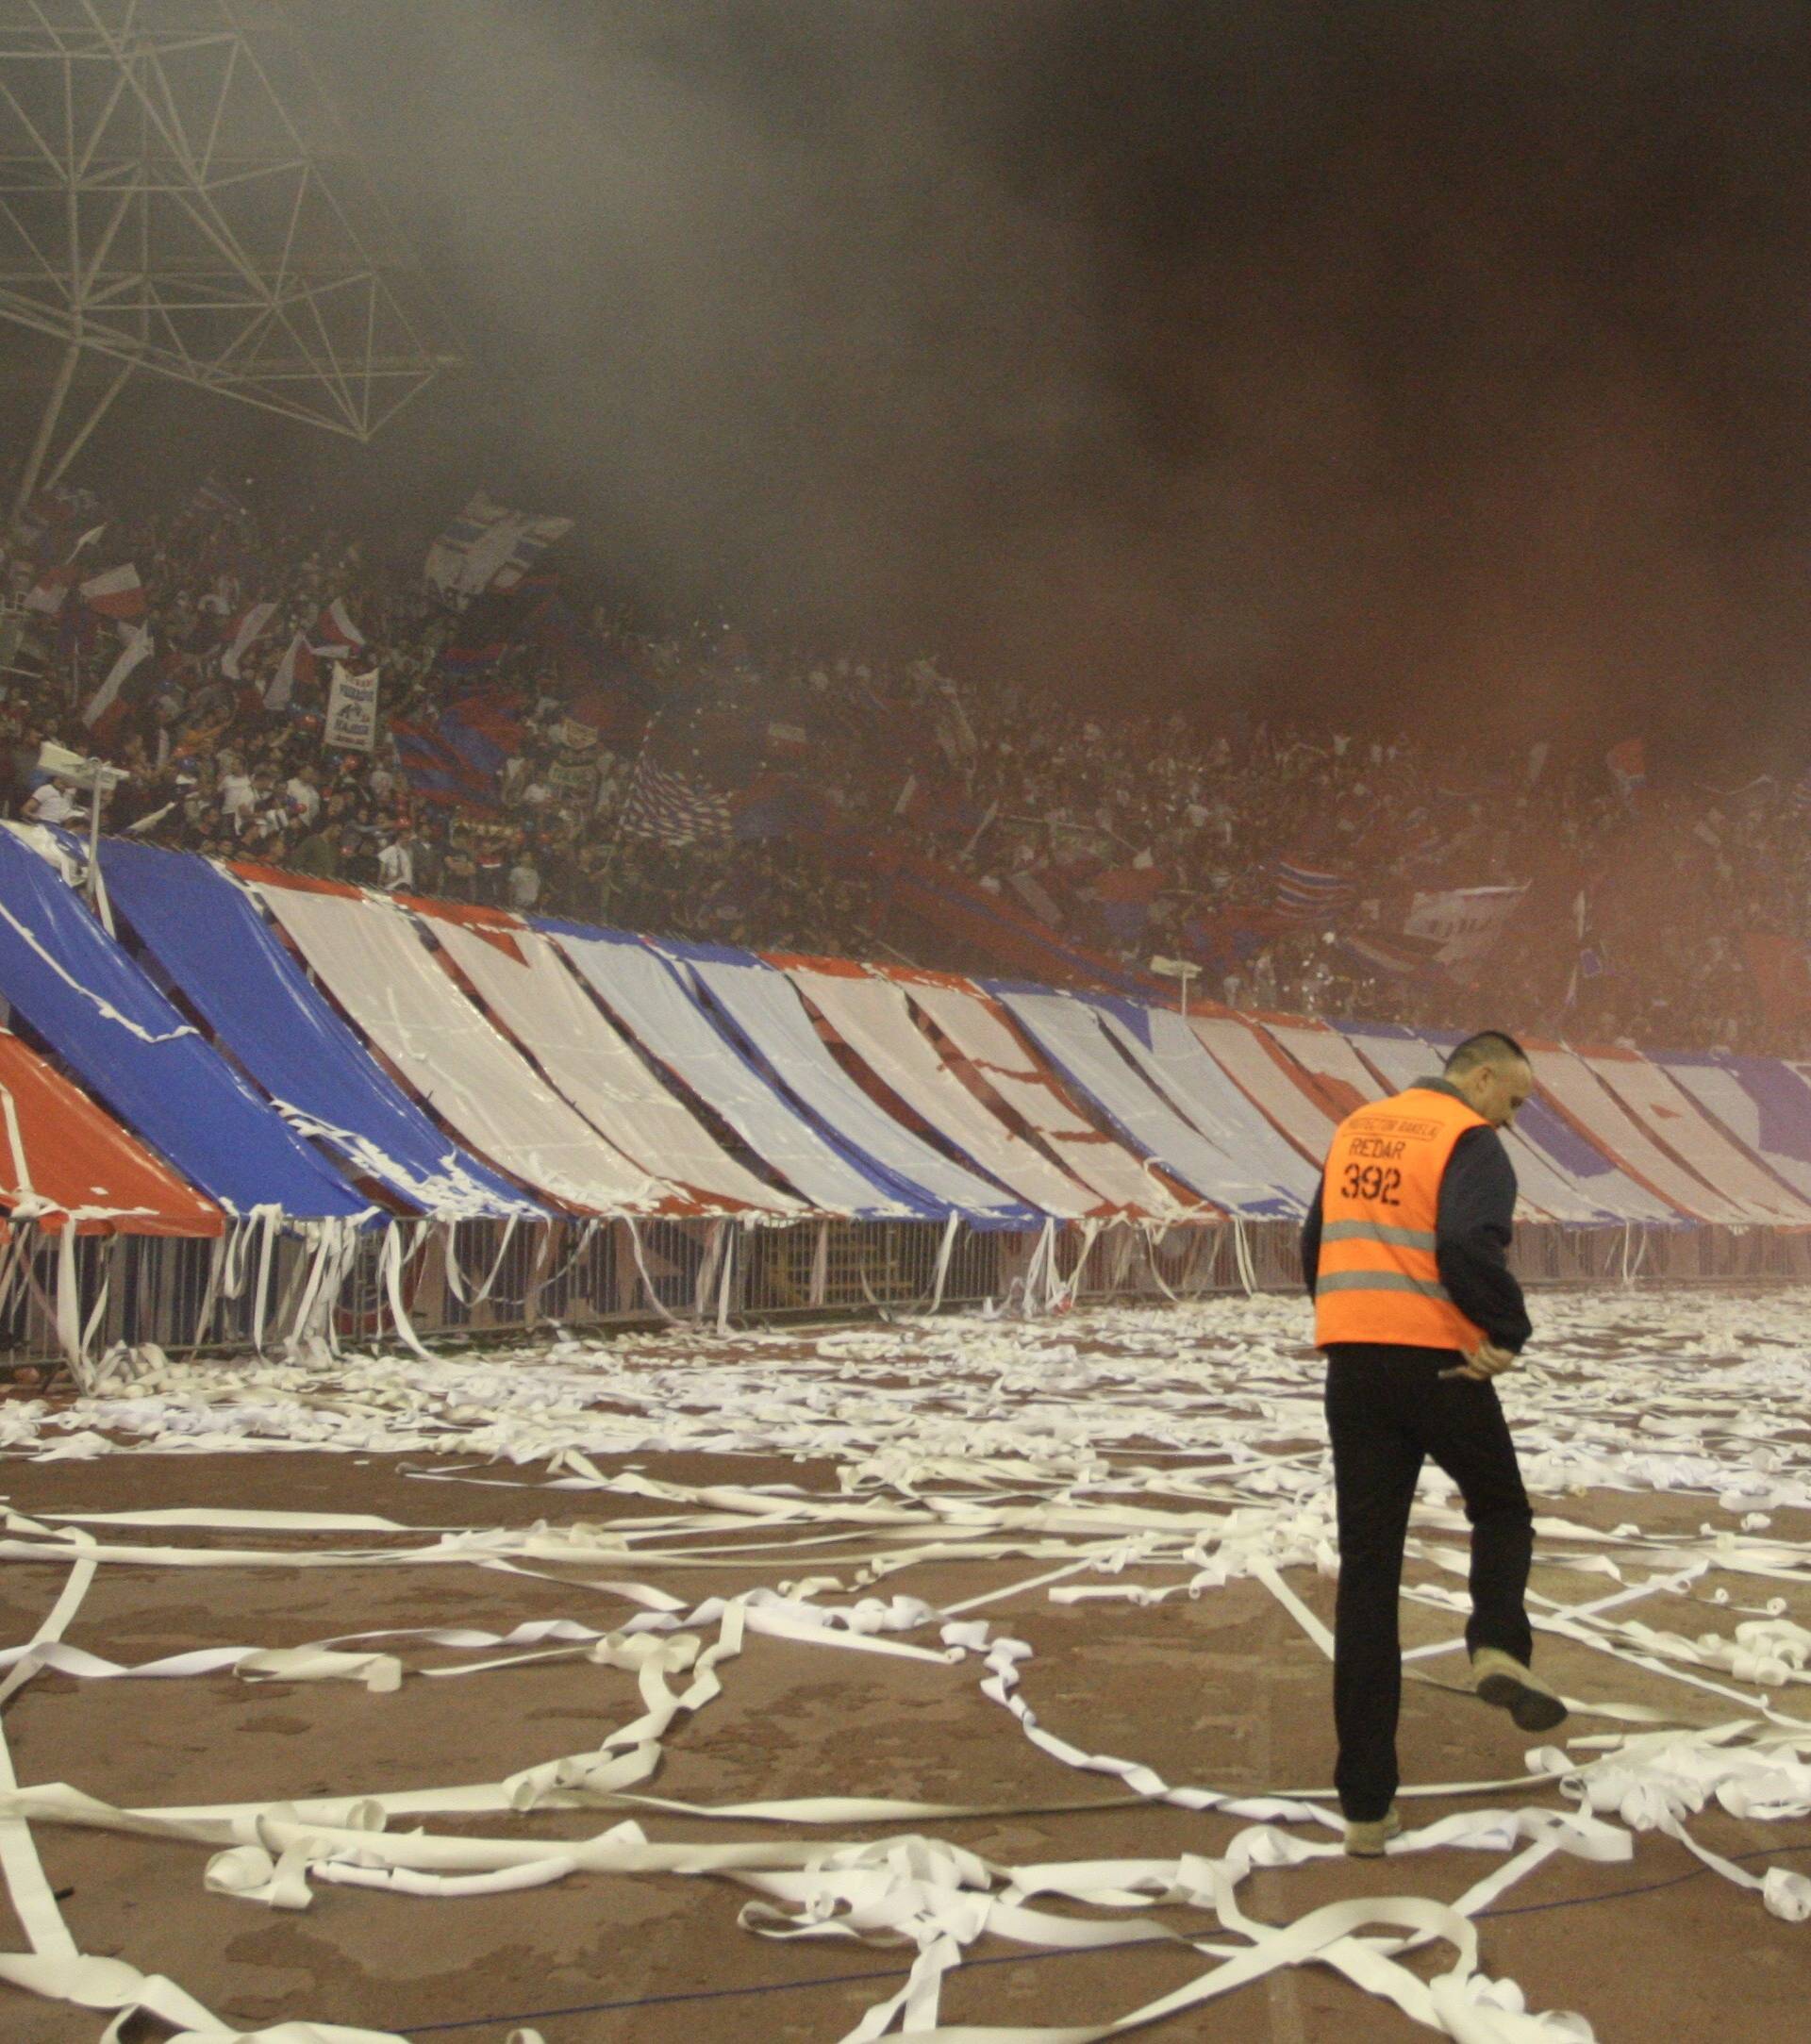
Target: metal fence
[412, 1282]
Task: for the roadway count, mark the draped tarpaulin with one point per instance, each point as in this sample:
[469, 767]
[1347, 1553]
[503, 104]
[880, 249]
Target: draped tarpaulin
[67, 1158]
[1335, 1072]
[1072, 1035]
[1169, 1053]
[372, 959]
[1764, 1102]
[1271, 1081]
[1649, 1094]
[764, 1007]
[1579, 1162]
[520, 976]
[1402, 1058]
[645, 994]
[963, 1014]
[872, 1016]
[1585, 1102]
[79, 990]
[206, 934]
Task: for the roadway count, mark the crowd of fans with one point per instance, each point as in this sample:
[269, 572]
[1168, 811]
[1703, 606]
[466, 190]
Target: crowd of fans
[748, 794]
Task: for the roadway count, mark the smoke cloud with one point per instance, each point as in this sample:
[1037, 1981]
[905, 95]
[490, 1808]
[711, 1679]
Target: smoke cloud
[1431, 365]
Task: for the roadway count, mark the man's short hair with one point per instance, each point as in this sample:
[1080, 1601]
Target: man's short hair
[1489, 1047]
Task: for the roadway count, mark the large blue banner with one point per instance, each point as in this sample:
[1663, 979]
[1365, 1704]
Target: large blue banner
[97, 1009]
[207, 937]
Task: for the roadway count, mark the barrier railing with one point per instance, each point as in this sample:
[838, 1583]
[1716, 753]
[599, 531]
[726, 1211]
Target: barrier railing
[414, 1282]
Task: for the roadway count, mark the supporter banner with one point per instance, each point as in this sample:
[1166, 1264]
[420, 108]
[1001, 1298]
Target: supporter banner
[1462, 923]
[983, 1042]
[1175, 1062]
[70, 1161]
[644, 992]
[1667, 1111]
[1073, 1034]
[352, 711]
[369, 956]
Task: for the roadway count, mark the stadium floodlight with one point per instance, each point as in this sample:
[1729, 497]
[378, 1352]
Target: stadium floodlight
[177, 196]
[1177, 969]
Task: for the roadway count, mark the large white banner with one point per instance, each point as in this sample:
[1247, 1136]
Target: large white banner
[1463, 923]
[352, 711]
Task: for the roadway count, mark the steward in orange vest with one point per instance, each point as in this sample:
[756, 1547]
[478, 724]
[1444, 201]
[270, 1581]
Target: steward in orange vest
[1405, 1252]
[1376, 1274]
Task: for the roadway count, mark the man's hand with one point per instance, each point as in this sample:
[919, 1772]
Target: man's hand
[1485, 1362]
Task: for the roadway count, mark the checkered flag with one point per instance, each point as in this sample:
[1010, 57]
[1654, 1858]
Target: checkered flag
[660, 805]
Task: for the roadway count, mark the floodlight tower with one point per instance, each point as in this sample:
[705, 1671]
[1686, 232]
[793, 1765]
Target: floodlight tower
[177, 196]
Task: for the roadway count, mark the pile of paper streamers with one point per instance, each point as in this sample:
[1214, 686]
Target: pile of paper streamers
[1124, 1454]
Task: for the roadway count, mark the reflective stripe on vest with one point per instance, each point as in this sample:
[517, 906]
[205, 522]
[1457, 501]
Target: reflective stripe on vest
[1378, 1279]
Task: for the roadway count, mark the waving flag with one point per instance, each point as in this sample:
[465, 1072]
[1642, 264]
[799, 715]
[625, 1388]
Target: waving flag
[244, 631]
[48, 593]
[117, 593]
[1464, 923]
[489, 546]
[457, 760]
[297, 664]
[335, 635]
[1306, 890]
[603, 690]
[105, 708]
[661, 805]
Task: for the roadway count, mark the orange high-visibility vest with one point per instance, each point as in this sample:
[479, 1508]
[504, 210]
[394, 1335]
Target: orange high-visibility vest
[1380, 1195]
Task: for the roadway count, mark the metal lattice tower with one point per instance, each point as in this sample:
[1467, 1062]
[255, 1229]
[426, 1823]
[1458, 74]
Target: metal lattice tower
[176, 196]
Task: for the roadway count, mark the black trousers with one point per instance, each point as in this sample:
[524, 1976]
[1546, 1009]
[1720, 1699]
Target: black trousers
[1388, 1410]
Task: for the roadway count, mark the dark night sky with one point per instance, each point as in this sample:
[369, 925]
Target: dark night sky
[1417, 361]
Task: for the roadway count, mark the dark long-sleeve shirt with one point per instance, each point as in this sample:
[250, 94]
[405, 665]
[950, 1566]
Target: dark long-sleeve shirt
[1472, 1234]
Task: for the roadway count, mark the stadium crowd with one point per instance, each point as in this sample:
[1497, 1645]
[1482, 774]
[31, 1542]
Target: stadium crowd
[690, 783]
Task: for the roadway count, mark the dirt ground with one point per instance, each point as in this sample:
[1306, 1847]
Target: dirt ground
[1224, 1690]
